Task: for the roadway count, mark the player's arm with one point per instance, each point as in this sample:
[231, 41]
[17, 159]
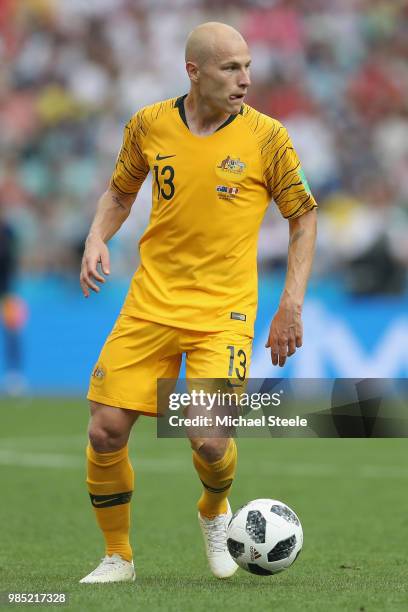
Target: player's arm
[290, 190]
[286, 331]
[114, 205]
[112, 210]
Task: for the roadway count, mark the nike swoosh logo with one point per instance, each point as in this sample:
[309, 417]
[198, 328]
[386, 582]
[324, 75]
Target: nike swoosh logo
[159, 157]
[99, 503]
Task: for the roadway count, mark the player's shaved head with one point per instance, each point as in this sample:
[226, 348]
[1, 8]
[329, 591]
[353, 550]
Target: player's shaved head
[209, 40]
[218, 66]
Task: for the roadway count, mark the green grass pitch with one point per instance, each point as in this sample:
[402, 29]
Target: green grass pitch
[351, 496]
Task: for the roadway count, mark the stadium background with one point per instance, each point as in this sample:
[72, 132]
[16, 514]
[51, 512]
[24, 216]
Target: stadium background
[336, 73]
[71, 73]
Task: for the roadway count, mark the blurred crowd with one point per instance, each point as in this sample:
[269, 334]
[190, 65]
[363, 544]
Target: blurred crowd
[335, 72]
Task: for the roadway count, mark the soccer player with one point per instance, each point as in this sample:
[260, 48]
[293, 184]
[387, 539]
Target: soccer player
[216, 163]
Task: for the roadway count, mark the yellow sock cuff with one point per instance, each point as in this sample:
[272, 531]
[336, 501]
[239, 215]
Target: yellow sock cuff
[109, 473]
[106, 459]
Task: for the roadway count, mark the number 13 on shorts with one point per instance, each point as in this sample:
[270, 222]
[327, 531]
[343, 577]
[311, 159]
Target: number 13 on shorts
[237, 362]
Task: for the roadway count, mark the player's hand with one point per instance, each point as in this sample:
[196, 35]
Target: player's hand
[286, 333]
[96, 252]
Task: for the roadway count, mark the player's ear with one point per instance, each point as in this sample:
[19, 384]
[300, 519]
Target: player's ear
[192, 71]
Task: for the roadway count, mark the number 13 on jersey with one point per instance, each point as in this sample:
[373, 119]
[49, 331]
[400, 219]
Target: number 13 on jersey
[164, 181]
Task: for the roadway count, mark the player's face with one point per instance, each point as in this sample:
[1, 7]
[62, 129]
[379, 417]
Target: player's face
[224, 79]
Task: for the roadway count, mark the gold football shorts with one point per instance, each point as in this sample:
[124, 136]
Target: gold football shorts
[138, 352]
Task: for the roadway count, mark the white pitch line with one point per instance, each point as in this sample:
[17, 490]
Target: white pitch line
[168, 465]
[60, 460]
[383, 471]
[36, 460]
[41, 441]
[34, 442]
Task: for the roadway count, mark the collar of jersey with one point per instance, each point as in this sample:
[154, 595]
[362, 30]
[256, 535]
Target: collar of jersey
[179, 104]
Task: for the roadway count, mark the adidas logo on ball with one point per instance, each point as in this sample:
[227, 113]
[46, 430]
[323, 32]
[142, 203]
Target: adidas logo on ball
[254, 553]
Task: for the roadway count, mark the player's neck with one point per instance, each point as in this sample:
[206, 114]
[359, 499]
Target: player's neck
[202, 120]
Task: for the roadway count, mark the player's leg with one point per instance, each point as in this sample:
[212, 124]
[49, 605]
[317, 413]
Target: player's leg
[224, 355]
[110, 482]
[123, 386]
[110, 477]
[214, 511]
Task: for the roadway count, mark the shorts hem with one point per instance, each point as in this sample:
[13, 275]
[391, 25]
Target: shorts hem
[129, 405]
[247, 330]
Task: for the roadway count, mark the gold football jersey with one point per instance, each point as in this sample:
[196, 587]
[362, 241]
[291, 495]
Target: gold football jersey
[198, 255]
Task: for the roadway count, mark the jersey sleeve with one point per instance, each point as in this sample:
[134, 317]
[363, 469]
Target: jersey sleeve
[284, 176]
[131, 166]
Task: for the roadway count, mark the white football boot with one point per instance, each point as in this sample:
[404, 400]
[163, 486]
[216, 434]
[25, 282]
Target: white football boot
[112, 569]
[214, 532]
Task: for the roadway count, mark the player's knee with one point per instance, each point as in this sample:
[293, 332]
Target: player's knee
[211, 449]
[104, 439]
[109, 428]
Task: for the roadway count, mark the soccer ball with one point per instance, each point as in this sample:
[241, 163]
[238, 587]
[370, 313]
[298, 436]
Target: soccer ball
[264, 537]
